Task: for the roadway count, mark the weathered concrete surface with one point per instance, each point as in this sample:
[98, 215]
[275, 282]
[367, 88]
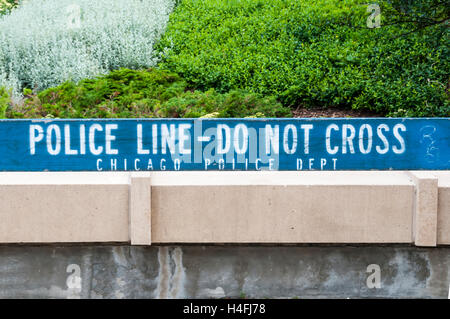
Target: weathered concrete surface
[222, 271]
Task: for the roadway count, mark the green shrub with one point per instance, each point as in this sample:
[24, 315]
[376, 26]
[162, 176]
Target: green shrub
[128, 93]
[313, 53]
[7, 5]
[44, 43]
[5, 102]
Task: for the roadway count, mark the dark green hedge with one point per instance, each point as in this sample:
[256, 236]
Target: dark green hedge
[312, 53]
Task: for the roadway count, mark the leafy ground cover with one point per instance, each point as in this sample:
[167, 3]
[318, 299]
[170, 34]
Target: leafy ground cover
[143, 93]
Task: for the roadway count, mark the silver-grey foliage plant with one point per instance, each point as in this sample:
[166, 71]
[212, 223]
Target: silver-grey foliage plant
[46, 42]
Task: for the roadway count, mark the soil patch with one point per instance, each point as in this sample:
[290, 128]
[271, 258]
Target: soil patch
[332, 112]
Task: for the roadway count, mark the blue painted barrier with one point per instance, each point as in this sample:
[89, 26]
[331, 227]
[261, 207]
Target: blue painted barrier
[225, 144]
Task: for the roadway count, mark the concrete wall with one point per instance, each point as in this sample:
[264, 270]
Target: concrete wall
[226, 207]
[269, 208]
[223, 271]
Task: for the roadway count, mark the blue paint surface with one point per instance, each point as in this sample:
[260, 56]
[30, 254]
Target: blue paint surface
[193, 144]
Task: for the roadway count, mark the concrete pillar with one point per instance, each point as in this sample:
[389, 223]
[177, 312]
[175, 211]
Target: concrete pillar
[140, 211]
[425, 209]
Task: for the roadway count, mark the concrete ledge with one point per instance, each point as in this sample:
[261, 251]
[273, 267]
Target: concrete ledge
[443, 214]
[226, 207]
[69, 213]
[281, 207]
